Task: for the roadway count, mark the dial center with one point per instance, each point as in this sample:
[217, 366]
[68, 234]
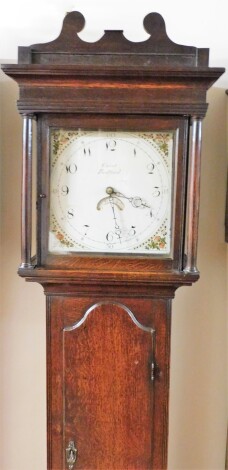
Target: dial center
[109, 190]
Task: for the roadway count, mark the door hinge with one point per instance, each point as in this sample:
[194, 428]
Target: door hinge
[155, 372]
[152, 371]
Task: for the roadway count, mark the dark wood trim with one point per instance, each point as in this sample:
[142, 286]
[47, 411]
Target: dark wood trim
[63, 312]
[111, 106]
[94, 263]
[26, 194]
[54, 72]
[162, 91]
[67, 281]
[193, 195]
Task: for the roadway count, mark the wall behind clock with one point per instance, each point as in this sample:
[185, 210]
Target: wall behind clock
[199, 351]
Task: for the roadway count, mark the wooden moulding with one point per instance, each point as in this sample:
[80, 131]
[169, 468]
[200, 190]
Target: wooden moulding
[193, 196]
[114, 48]
[26, 199]
[113, 74]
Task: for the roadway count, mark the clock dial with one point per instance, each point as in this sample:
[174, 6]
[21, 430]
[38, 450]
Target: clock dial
[111, 192]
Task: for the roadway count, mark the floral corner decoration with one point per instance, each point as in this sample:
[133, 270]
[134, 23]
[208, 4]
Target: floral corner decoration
[156, 243]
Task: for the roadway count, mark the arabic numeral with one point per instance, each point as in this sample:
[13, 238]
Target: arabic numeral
[70, 213]
[150, 168]
[132, 231]
[86, 228]
[65, 190]
[87, 151]
[156, 192]
[72, 168]
[111, 145]
[109, 236]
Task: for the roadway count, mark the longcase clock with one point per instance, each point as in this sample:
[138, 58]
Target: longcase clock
[118, 151]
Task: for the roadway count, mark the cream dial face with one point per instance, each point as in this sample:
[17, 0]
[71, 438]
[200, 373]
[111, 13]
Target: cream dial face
[111, 192]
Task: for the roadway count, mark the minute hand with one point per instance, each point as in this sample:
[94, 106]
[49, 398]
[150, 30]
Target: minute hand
[135, 201]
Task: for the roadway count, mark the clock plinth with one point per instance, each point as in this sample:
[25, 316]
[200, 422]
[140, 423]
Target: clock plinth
[118, 150]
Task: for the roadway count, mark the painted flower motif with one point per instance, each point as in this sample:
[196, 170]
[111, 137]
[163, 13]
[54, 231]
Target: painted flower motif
[55, 146]
[60, 236]
[64, 139]
[162, 140]
[59, 139]
[156, 243]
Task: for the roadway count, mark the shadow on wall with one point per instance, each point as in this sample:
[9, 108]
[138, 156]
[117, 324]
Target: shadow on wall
[198, 363]
[22, 330]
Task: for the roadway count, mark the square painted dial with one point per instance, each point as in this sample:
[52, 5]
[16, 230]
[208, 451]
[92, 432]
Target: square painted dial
[111, 191]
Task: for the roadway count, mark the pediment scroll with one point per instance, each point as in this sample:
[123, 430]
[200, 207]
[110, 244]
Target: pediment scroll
[113, 48]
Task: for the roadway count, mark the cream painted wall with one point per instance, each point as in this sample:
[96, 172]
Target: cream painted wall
[198, 394]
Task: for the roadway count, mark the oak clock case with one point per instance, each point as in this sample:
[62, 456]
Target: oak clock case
[118, 149]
